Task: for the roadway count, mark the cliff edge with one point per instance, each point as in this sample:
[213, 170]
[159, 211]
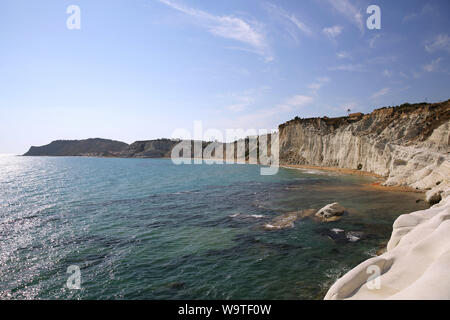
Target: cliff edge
[409, 145]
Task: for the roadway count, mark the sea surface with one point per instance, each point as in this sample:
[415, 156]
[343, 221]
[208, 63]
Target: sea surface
[148, 229]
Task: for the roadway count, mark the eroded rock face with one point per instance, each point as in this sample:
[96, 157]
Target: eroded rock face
[409, 145]
[415, 266]
[331, 212]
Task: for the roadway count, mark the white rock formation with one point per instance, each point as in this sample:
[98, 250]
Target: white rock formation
[409, 146]
[415, 266]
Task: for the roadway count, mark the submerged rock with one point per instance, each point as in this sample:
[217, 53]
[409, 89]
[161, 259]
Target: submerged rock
[287, 220]
[354, 236]
[331, 212]
[176, 285]
[341, 236]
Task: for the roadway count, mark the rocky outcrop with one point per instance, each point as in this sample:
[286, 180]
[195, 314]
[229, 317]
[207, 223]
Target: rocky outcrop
[415, 266]
[89, 147]
[409, 145]
[331, 212]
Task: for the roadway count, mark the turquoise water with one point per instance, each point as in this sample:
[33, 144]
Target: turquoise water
[147, 229]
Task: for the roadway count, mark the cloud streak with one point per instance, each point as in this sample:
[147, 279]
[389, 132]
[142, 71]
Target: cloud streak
[228, 27]
[333, 32]
[381, 93]
[426, 10]
[347, 9]
[291, 22]
[318, 84]
[265, 118]
[349, 67]
[432, 66]
[438, 43]
[343, 55]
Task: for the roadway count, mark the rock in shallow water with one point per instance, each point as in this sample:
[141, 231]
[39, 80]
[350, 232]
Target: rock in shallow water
[331, 212]
[341, 236]
[287, 220]
[354, 236]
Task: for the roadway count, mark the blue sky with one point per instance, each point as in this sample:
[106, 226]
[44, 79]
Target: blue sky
[139, 69]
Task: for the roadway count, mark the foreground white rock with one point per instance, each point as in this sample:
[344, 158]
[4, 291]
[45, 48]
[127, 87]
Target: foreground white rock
[415, 266]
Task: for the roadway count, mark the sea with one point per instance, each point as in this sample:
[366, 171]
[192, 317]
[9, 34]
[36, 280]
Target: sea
[101, 228]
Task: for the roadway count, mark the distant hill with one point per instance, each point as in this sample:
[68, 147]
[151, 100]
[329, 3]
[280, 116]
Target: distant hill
[160, 148]
[88, 147]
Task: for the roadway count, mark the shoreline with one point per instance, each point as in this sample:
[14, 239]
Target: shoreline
[377, 185]
[333, 169]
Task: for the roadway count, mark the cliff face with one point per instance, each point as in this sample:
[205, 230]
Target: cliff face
[409, 145]
[88, 147]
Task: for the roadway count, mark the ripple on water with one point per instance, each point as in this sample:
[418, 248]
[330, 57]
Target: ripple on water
[146, 229]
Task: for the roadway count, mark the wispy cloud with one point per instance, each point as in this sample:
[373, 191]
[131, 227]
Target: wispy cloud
[333, 31]
[243, 104]
[383, 60]
[432, 66]
[292, 23]
[343, 55]
[228, 27]
[426, 10]
[318, 84]
[381, 93]
[300, 25]
[440, 42]
[266, 117]
[296, 101]
[351, 12]
[241, 101]
[387, 73]
[373, 40]
[349, 67]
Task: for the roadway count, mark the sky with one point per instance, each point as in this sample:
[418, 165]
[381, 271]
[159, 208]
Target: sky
[144, 69]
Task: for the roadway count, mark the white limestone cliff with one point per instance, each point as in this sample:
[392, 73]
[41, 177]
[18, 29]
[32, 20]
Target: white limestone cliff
[408, 145]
